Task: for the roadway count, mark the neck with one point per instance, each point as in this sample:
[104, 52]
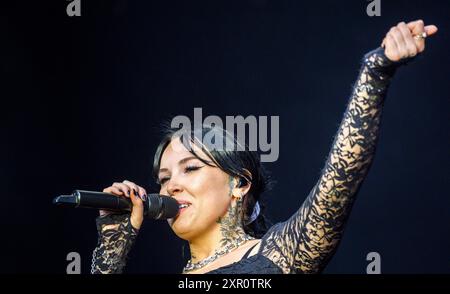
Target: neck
[226, 230]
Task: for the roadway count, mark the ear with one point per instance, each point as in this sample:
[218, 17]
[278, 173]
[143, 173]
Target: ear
[241, 187]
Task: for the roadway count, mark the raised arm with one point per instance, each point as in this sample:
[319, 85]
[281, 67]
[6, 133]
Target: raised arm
[306, 241]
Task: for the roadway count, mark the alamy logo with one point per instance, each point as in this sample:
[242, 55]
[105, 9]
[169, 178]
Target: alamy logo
[74, 266]
[374, 8]
[374, 266]
[222, 137]
[74, 8]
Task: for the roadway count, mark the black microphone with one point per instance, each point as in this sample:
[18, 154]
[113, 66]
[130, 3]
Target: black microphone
[155, 207]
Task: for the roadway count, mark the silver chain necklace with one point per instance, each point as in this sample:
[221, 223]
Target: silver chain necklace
[218, 253]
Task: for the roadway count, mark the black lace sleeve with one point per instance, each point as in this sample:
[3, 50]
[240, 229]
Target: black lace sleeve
[306, 241]
[116, 236]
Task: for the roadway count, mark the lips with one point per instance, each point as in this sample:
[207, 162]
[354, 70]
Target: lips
[183, 204]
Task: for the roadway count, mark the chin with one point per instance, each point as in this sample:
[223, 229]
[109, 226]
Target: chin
[181, 227]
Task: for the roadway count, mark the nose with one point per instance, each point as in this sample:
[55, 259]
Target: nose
[174, 187]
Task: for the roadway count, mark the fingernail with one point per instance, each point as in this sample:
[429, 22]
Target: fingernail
[144, 197]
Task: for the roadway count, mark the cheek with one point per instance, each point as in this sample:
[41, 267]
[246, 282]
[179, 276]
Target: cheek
[212, 195]
[213, 207]
[210, 188]
[210, 192]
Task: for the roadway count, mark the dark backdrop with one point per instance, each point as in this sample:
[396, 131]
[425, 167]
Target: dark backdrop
[83, 98]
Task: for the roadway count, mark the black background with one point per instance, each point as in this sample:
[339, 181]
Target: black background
[83, 99]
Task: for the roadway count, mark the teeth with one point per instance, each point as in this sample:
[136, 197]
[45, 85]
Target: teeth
[184, 205]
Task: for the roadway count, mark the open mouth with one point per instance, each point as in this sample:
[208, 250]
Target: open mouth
[183, 205]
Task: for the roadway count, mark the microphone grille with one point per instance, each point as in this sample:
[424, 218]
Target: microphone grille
[161, 207]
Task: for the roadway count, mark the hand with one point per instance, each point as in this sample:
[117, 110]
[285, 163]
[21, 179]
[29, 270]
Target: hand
[136, 193]
[403, 40]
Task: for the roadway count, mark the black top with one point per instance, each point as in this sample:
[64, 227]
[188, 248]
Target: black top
[307, 240]
[257, 263]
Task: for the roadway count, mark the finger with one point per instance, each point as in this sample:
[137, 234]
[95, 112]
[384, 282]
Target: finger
[410, 44]
[416, 27]
[142, 193]
[122, 187]
[131, 185]
[398, 38]
[137, 212]
[135, 199]
[114, 191]
[138, 189]
[395, 49]
[391, 50]
[431, 30]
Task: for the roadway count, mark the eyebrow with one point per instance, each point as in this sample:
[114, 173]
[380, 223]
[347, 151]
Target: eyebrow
[182, 161]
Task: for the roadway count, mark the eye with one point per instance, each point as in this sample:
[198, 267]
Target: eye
[163, 180]
[187, 169]
[191, 168]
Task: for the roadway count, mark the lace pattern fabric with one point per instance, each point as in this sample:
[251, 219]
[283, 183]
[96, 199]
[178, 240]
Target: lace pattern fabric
[307, 240]
[116, 237]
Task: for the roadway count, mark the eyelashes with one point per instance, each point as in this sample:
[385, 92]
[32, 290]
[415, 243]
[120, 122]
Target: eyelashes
[162, 181]
[190, 168]
[187, 169]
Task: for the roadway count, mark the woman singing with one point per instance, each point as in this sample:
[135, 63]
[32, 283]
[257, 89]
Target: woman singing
[219, 190]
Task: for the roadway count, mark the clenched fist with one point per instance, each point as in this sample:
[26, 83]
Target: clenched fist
[406, 40]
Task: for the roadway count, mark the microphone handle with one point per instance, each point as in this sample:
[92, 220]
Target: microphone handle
[156, 207]
[101, 200]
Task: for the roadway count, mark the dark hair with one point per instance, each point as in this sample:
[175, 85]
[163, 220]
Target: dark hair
[244, 165]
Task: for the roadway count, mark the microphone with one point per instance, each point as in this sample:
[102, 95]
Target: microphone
[156, 207]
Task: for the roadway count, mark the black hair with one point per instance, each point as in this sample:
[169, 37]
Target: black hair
[239, 163]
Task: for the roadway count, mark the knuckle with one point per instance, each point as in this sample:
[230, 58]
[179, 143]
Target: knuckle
[129, 183]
